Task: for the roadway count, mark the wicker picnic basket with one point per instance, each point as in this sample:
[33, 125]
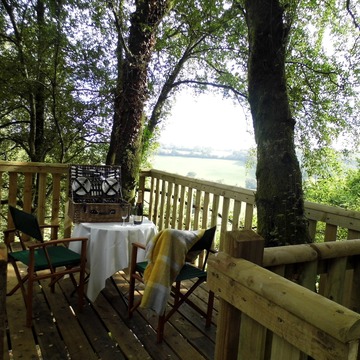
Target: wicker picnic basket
[95, 194]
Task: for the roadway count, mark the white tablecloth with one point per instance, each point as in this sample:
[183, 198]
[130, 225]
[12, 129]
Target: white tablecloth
[109, 249]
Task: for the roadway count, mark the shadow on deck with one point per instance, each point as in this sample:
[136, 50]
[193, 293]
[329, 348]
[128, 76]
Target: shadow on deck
[103, 330]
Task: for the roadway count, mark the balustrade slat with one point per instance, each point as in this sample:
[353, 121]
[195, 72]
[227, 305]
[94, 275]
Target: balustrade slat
[330, 232]
[281, 349]
[251, 329]
[236, 224]
[162, 203]
[157, 199]
[169, 204]
[335, 280]
[56, 197]
[181, 208]
[225, 215]
[308, 275]
[197, 208]
[206, 205]
[215, 209]
[41, 198]
[28, 191]
[13, 185]
[1, 193]
[189, 204]
[312, 229]
[151, 198]
[354, 295]
[353, 234]
[175, 207]
[249, 212]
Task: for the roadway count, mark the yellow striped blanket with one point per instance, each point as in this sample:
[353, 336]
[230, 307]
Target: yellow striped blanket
[165, 254]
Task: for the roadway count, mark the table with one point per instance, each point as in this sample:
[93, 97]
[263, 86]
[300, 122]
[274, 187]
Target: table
[109, 249]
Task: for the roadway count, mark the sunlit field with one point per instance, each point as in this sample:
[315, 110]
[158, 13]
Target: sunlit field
[228, 172]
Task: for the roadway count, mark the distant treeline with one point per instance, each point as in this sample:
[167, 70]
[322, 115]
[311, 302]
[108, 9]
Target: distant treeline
[208, 153]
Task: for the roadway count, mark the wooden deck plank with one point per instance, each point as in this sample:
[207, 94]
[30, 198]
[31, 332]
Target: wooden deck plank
[94, 328]
[21, 338]
[180, 335]
[127, 342]
[103, 330]
[139, 327]
[77, 343]
[47, 335]
[173, 339]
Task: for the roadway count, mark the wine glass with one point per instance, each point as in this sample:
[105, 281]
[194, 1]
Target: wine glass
[124, 216]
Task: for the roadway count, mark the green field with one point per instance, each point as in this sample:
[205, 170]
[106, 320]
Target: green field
[228, 172]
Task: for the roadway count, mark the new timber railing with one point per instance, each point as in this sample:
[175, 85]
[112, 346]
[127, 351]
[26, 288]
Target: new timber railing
[171, 201]
[186, 203]
[303, 301]
[303, 306]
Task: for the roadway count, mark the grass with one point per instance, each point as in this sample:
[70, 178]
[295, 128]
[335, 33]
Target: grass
[229, 172]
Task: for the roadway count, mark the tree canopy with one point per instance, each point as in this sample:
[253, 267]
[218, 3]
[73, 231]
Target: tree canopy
[200, 45]
[65, 73]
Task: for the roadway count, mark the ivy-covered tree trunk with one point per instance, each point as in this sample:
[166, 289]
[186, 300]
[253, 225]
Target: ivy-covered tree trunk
[126, 137]
[37, 113]
[279, 198]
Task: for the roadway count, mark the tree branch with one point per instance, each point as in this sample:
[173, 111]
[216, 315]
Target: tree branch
[357, 25]
[118, 28]
[206, 83]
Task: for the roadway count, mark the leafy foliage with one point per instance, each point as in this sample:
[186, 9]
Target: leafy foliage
[202, 45]
[340, 187]
[54, 85]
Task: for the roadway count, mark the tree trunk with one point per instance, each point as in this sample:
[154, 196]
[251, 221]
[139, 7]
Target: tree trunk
[279, 198]
[126, 137]
[39, 88]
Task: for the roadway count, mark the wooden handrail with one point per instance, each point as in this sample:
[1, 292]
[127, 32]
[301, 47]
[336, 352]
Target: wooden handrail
[280, 316]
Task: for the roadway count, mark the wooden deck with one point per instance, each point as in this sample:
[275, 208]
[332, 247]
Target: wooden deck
[103, 330]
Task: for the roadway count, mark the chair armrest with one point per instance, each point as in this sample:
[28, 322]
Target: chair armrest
[57, 242]
[139, 245]
[9, 231]
[44, 245]
[133, 258]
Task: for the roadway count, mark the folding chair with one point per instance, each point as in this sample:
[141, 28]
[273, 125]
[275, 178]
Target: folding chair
[44, 260]
[187, 272]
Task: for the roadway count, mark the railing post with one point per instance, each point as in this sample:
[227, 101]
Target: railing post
[248, 245]
[3, 270]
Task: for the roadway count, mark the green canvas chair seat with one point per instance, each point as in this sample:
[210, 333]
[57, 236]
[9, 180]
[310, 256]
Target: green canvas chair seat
[187, 272]
[44, 259]
[59, 256]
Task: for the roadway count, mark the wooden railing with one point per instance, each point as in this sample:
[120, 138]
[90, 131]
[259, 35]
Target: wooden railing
[186, 203]
[35, 186]
[262, 315]
[170, 201]
[327, 270]
[3, 274]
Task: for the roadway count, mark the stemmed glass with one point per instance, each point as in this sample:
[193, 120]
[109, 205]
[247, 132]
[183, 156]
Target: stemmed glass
[124, 216]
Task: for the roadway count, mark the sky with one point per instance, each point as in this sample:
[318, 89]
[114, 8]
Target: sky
[207, 120]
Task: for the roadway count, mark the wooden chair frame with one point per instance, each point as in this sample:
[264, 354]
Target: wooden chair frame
[47, 270]
[179, 297]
